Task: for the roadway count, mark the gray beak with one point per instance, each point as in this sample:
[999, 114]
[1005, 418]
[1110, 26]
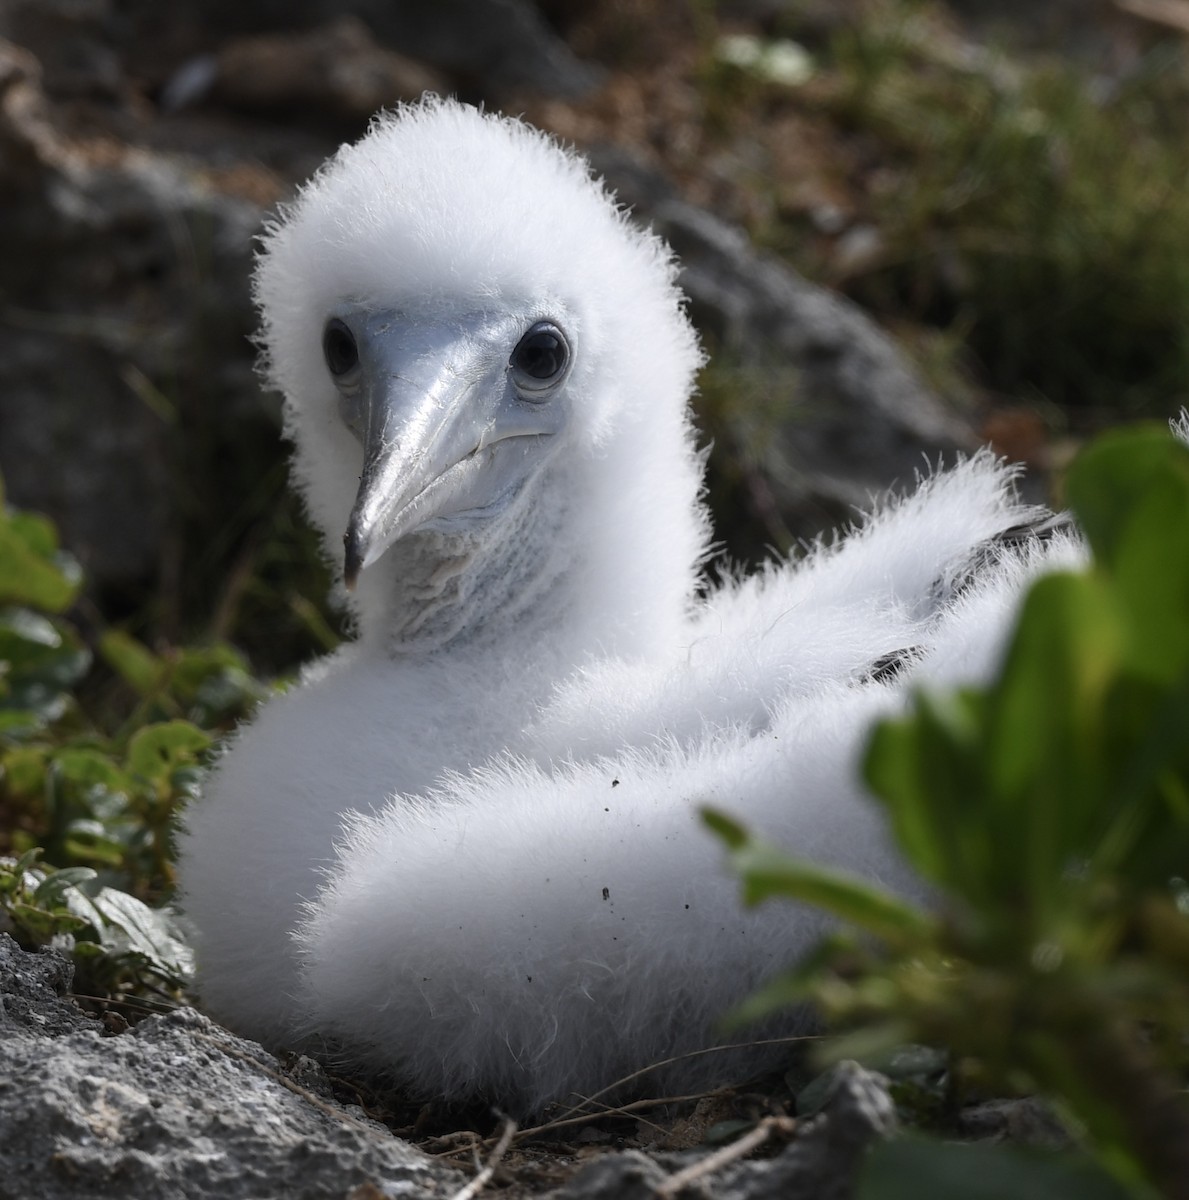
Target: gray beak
[422, 423]
[444, 434]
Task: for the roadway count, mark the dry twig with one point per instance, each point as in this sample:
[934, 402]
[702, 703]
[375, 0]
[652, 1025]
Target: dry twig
[446, 1145]
[740, 1148]
[780, 1041]
[472, 1189]
[616, 1110]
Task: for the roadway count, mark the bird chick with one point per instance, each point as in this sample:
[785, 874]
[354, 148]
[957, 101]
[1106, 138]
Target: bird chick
[465, 849]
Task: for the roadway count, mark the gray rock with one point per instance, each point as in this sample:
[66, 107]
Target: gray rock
[31, 991]
[504, 46]
[833, 413]
[821, 1163]
[180, 1109]
[122, 328]
[631, 1175]
[337, 68]
[1022, 1120]
[508, 43]
[853, 418]
[176, 1108]
[76, 53]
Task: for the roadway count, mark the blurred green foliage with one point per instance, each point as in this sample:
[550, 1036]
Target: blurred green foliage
[1044, 213]
[1022, 211]
[1051, 812]
[96, 795]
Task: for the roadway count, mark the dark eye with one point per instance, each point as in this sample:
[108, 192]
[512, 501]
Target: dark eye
[541, 356]
[339, 348]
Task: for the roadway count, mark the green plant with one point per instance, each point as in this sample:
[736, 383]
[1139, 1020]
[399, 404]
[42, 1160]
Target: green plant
[1017, 218]
[119, 944]
[1038, 210]
[96, 793]
[1051, 812]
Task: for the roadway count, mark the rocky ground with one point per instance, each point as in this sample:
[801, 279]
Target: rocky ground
[177, 1107]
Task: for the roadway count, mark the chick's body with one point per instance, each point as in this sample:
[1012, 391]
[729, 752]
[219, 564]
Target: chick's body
[465, 850]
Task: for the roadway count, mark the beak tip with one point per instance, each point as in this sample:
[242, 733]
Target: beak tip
[353, 558]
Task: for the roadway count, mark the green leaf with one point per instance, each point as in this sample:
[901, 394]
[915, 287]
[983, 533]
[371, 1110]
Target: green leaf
[143, 930]
[40, 650]
[186, 781]
[29, 572]
[20, 625]
[214, 683]
[1049, 789]
[136, 664]
[924, 767]
[727, 1131]
[767, 871]
[1152, 580]
[17, 724]
[92, 841]
[40, 660]
[787, 991]
[81, 906]
[1067, 648]
[87, 768]
[1130, 490]
[51, 889]
[1147, 830]
[26, 860]
[42, 924]
[24, 769]
[35, 531]
[1111, 476]
[85, 952]
[729, 830]
[913, 1061]
[911, 1168]
[157, 750]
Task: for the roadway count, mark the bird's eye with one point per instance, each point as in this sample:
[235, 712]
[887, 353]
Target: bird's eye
[540, 358]
[339, 348]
